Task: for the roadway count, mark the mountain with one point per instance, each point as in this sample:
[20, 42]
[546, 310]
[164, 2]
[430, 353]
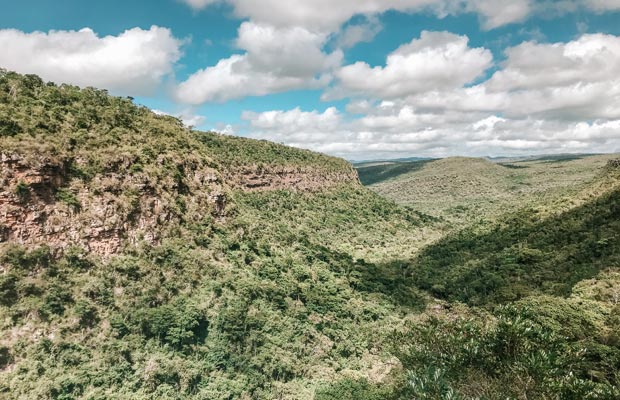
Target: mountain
[461, 190]
[141, 259]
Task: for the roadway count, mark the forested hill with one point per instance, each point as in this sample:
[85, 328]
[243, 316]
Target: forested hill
[82, 167]
[140, 259]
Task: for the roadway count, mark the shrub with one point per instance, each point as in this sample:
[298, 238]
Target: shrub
[178, 324]
[86, 312]
[56, 300]
[66, 196]
[6, 357]
[350, 389]
[22, 191]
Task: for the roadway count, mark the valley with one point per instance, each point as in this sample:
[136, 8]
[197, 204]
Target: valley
[142, 259]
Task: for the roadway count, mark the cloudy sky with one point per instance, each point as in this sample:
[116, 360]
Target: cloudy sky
[360, 79]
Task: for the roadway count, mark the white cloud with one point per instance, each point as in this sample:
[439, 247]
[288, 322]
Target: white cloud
[284, 47]
[319, 15]
[498, 13]
[132, 63]
[199, 4]
[438, 60]
[545, 98]
[603, 5]
[294, 121]
[562, 97]
[578, 79]
[404, 131]
[327, 15]
[365, 32]
[188, 117]
[276, 60]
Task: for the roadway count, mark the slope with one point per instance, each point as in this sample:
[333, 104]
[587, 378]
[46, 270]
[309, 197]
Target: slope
[140, 259]
[463, 190]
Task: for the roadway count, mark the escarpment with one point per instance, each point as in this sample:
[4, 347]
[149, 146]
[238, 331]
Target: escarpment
[251, 178]
[43, 202]
[79, 167]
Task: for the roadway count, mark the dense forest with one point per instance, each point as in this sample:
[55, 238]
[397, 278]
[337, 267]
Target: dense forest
[141, 259]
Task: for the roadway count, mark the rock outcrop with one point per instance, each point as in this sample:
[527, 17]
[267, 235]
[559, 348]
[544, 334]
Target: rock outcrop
[289, 178]
[42, 204]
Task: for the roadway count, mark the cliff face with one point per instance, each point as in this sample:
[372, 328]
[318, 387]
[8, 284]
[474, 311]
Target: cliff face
[289, 178]
[79, 167]
[42, 204]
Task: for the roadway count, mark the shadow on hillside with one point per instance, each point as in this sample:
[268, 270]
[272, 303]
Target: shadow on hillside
[379, 173]
[523, 255]
[389, 280]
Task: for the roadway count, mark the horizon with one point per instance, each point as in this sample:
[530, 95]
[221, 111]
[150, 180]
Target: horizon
[367, 80]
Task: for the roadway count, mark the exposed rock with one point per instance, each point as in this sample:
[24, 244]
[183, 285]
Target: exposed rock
[41, 203]
[115, 208]
[289, 178]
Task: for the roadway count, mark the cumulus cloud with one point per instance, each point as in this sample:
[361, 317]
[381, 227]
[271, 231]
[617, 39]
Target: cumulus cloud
[311, 13]
[284, 47]
[188, 117]
[401, 130]
[497, 13]
[427, 98]
[603, 5]
[578, 79]
[294, 120]
[569, 81]
[199, 4]
[437, 60]
[568, 6]
[133, 62]
[276, 60]
[353, 34]
[558, 97]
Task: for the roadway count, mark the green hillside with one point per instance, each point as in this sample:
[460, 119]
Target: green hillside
[143, 260]
[462, 190]
[256, 296]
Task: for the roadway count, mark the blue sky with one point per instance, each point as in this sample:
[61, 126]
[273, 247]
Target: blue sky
[358, 79]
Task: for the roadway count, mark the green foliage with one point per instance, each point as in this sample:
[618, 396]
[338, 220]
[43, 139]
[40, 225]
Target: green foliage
[56, 300]
[177, 324]
[86, 312]
[291, 294]
[523, 255]
[350, 389]
[512, 357]
[5, 357]
[22, 190]
[68, 197]
[237, 151]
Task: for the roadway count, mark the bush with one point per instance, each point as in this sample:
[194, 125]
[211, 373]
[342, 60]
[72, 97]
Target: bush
[22, 191]
[179, 324]
[66, 196]
[350, 389]
[86, 312]
[56, 300]
[6, 357]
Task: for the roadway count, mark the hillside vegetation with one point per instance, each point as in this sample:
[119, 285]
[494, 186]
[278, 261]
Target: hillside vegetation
[464, 190]
[143, 260]
[139, 263]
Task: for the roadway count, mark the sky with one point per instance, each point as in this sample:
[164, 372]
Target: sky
[359, 79]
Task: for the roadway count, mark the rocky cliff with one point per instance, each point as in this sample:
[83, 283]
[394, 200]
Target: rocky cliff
[79, 167]
[41, 203]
